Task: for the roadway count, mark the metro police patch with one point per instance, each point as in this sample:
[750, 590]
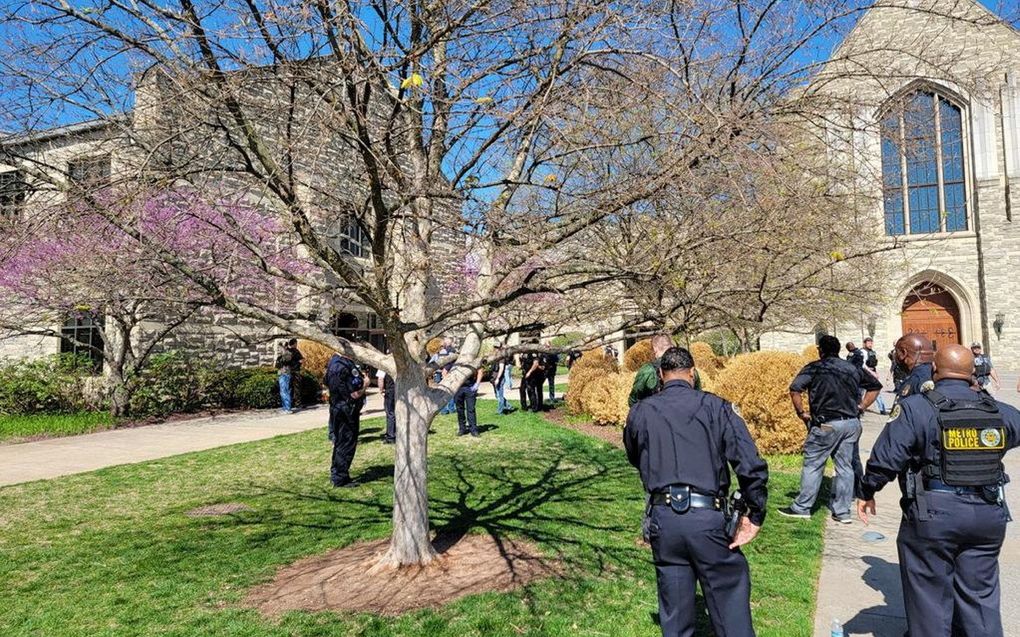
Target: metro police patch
[896, 411]
[927, 386]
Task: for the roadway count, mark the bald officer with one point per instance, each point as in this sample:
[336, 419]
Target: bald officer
[946, 447]
[684, 443]
[914, 353]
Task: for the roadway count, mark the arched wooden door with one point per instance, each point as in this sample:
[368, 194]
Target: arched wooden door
[932, 311]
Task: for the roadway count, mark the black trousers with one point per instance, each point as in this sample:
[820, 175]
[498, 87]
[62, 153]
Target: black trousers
[534, 387]
[344, 426]
[523, 388]
[467, 419]
[693, 548]
[390, 407]
[949, 565]
[552, 383]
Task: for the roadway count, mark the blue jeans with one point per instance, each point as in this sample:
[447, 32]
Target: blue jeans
[502, 406]
[285, 392]
[836, 439]
[508, 377]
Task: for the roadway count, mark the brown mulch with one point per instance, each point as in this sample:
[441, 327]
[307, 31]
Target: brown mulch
[350, 579]
[225, 508]
[612, 435]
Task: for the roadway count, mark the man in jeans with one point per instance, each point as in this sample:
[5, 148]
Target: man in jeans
[288, 363]
[834, 426]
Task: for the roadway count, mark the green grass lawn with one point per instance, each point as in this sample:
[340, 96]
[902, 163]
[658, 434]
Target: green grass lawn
[13, 428]
[112, 553]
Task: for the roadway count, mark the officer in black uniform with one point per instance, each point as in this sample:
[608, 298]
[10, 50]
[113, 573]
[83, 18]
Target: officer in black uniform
[946, 448]
[914, 353]
[684, 442]
[346, 398]
[533, 378]
[527, 360]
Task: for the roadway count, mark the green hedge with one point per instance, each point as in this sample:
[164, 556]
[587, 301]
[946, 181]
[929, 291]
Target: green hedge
[45, 385]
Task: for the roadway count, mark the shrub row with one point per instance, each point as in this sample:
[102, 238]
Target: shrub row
[171, 383]
[52, 384]
[756, 383]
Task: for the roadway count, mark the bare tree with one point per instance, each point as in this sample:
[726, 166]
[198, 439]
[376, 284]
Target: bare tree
[466, 165]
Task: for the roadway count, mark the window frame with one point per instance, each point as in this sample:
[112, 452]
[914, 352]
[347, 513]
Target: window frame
[87, 181]
[12, 202]
[71, 342]
[898, 107]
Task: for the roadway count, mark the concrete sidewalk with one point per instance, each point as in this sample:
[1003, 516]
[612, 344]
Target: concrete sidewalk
[860, 579]
[57, 457]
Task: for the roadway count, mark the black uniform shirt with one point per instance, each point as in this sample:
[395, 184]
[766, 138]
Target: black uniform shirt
[910, 439]
[834, 388]
[682, 436]
[918, 376]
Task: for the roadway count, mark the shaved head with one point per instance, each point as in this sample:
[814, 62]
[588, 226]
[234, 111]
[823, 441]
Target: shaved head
[913, 350]
[954, 361]
[660, 343]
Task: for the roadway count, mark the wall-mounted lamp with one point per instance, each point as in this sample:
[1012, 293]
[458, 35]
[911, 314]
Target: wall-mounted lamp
[998, 323]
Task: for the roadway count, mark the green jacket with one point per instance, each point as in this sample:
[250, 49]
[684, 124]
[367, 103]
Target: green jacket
[646, 382]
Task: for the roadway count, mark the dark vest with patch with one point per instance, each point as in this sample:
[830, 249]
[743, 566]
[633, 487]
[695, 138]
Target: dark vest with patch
[982, 369]
[972, 441]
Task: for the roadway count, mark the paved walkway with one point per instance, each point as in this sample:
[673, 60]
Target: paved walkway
[57, 457]
[860, 580]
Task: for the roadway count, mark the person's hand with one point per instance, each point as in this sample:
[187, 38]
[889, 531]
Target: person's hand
[866, 508]
[474, 388]
[805, 417]
[746, 531]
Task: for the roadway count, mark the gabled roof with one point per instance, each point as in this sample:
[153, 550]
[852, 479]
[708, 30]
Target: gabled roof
[79, 128]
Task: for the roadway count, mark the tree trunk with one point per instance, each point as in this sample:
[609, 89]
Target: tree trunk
[120, 393]
[411, 543]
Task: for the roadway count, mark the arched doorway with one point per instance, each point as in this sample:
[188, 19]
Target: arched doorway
[931, 310]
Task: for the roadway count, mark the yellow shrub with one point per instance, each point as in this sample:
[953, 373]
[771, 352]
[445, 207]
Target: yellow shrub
[810, 353]
[758, 383]
[605, 398]
[579, 380]
[705, 360]
[594, 359]
[637, 355]
[316, 356]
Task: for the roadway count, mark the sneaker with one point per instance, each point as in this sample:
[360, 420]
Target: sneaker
[842, 519]
[287, 411]
[346, 484]
[474, 434]
[790, 513]
[461, 433]
[389, 441]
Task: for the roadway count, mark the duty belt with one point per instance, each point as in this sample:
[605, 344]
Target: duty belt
[698, 501]
[937, 485]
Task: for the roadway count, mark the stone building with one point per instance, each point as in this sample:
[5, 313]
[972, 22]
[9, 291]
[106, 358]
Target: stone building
[932, 133]
[104, 153]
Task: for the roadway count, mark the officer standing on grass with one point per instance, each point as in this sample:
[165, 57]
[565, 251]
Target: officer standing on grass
[946, 447]
[683, 443]
[346, 398]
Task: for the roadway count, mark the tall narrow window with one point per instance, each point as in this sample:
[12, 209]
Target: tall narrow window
[82, 335]
[923, 182]
[13, 191]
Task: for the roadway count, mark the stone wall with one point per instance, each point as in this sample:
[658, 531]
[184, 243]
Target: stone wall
[959, 49]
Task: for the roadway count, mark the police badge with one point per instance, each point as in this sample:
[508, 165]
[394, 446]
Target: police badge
[927, 386]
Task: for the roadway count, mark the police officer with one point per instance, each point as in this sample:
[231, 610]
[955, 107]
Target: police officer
[533, 378]
[913, 354]
[946, 448]
[346, 398]
[684, 442]
[984, 371]
[527, 361]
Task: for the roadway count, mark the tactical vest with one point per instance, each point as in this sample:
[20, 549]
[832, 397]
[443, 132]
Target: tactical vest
[984, 368]
[972, 441]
